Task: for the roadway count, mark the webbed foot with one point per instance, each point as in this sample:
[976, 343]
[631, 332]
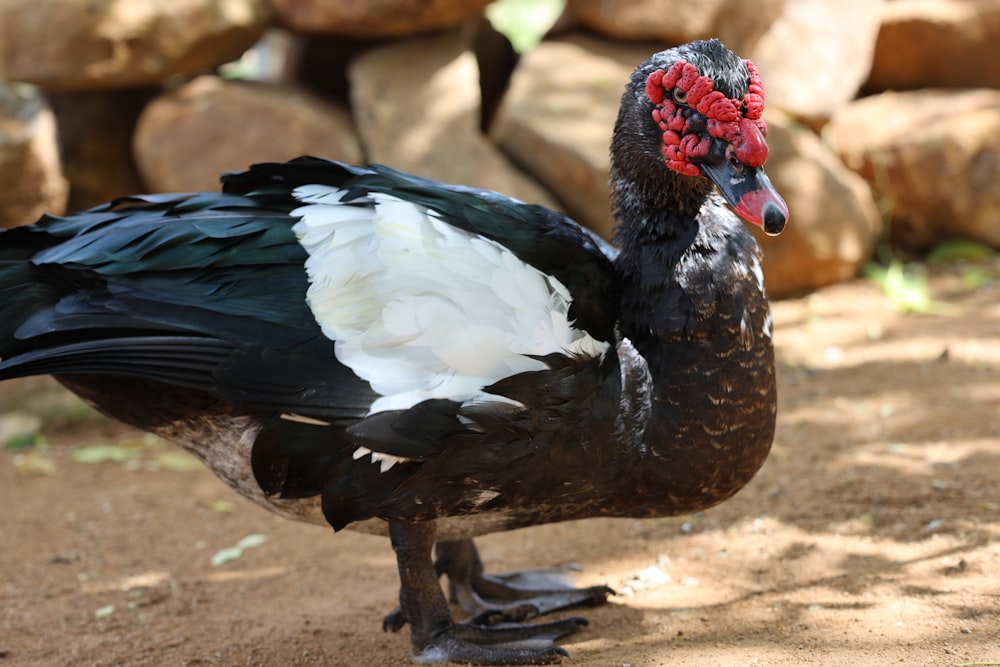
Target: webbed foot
[500, 644]
[515, 596]
[490, 637]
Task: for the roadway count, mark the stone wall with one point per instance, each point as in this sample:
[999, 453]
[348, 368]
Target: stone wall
[145, 96]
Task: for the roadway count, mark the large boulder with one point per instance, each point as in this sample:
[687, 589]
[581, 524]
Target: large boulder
[186, 139]
[933, 156]
[817, 54]
[937, 43]
[418, 107]
[375, 18]
[29, 158]
[737, 23]
[98, 44]
[834, 223]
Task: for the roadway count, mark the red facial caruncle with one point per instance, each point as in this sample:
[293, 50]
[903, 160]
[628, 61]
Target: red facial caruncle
[737, 122]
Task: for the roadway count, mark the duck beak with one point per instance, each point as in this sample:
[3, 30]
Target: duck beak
[746, 189]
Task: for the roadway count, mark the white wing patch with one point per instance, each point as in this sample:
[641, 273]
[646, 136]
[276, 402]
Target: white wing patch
[758, 273]
[420, 309]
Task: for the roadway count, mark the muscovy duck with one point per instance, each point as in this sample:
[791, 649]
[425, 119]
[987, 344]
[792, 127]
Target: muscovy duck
[365, 348]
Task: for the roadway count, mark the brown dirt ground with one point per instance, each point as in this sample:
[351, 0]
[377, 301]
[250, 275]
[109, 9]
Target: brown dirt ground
[871, 536]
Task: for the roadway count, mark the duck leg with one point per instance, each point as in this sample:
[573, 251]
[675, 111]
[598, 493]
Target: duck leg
[437, 638]
[516, 596]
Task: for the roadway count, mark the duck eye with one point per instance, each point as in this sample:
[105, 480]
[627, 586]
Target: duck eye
[680, 96]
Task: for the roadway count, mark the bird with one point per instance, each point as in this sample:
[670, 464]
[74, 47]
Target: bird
[363, 348]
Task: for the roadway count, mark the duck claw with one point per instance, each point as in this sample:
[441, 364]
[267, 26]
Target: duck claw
[515, 596]
[500, 644]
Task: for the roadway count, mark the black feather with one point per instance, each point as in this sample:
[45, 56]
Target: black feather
[416, 433]
[292, 459]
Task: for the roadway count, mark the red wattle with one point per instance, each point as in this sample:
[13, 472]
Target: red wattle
[751, 147]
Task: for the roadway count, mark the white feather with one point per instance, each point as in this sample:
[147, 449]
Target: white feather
[758, 272]
[421, 309]
[384, 461]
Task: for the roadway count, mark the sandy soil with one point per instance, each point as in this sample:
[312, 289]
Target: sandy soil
[871, 536]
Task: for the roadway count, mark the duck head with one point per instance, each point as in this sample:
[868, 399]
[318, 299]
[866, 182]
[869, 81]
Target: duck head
[707, 103]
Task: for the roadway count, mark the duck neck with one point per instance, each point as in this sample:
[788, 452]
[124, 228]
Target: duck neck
[694, 308]
[662, 244]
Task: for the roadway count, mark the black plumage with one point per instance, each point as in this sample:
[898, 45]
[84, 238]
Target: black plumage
[195, 317]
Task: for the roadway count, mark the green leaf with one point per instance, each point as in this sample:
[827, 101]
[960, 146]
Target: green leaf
[975, 277]
[104, 612]
[951, 251]
[105, 453]
[223, 556]
[222, 506]
[21, 441]
[33, 463]
[905, 289]
[251, 541]
[19, 430]
[176, 461]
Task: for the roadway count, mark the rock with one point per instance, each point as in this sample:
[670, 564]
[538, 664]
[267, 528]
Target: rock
[424, 117]
[558, 115]
[186, 139]
[937, 43]
[817, 54]
[95, 135]
[834, 223]
[73, 45]
[375, 18]
[933, 156]
[737, 23]
[29, 158]
[320, 63]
